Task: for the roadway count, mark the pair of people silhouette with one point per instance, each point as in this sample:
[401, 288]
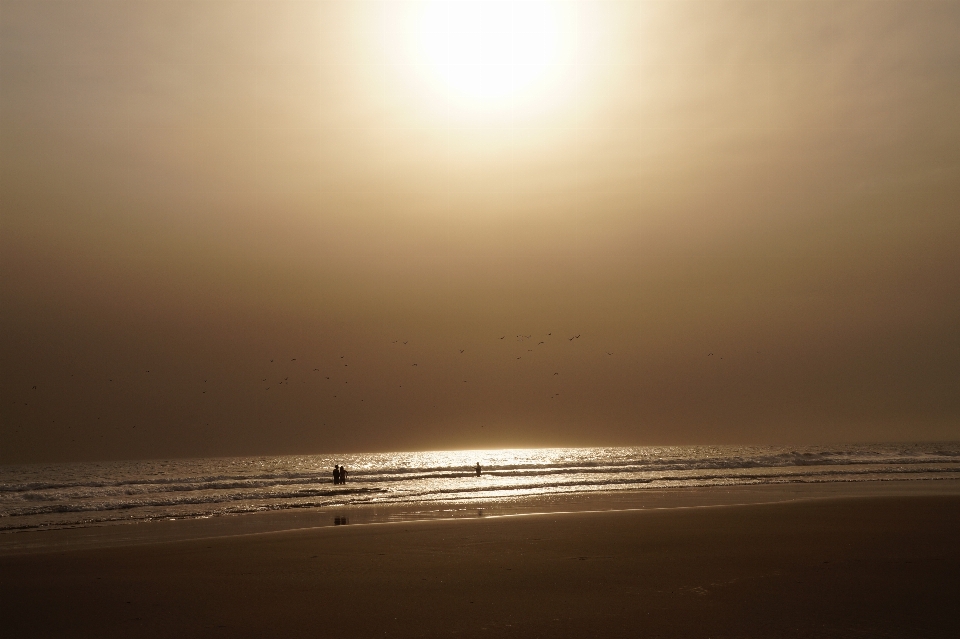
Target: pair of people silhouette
[339, 475]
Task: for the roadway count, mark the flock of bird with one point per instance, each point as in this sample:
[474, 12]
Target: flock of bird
[520, 338]
[461, 351]
[336, 379]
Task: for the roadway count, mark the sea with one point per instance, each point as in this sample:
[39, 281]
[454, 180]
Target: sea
[70, 495]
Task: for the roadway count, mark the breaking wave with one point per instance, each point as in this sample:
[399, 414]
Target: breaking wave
[60, 495]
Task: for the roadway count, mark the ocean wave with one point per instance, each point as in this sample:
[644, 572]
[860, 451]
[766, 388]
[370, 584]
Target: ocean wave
[130, 515]
[590, 481]
[78, 494]
[184, 500]
[394, 474]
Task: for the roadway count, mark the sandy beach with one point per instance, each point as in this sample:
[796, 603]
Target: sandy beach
[867, 566]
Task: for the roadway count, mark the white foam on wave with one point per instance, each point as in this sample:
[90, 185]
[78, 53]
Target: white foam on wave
[78, 494]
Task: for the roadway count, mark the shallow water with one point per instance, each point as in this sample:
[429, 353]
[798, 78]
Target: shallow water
[83, 494]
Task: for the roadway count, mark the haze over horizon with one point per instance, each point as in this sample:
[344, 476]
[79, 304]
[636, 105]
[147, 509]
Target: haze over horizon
[271, 227]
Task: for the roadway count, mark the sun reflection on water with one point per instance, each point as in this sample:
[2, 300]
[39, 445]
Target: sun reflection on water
[86, 494]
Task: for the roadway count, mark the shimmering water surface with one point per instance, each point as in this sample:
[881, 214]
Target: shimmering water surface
[81, 494]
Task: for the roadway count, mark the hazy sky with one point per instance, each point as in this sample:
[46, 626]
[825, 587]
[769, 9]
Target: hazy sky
[262, 227]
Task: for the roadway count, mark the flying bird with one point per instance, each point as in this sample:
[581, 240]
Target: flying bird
[461, 350]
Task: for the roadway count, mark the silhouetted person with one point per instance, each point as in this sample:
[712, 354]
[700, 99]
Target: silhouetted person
[478, 469]
[343, 475]
[336, 474]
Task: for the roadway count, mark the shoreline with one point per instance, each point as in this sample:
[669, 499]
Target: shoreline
[29, 541]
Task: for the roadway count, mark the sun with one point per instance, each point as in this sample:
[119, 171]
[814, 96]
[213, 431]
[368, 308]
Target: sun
[491, 55]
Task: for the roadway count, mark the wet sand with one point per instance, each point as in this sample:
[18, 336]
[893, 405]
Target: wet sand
[166, 530]
[840, 567]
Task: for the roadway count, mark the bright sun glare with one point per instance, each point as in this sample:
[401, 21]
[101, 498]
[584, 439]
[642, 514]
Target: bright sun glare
[493, 54]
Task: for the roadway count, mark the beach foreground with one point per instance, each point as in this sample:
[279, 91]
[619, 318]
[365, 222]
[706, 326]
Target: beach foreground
[875, 566]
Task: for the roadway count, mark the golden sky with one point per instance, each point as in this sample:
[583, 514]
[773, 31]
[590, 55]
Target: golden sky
[340, 226]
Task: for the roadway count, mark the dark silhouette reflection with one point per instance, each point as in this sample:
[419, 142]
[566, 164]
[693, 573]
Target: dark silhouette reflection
[340, 521]
[479, 512]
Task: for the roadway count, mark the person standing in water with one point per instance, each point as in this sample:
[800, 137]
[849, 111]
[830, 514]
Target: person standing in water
[336, 474]
[343, 475]
[478, 469]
